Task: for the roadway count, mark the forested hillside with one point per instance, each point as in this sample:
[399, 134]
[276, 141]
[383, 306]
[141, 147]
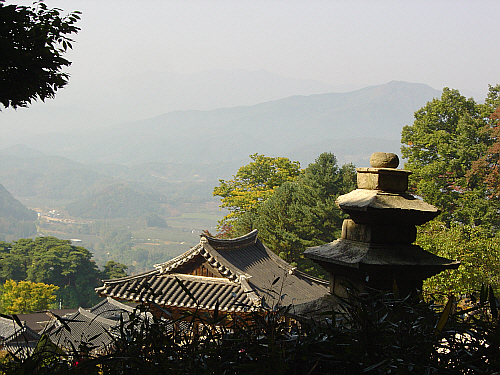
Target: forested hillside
[117, 201]
[16, 221]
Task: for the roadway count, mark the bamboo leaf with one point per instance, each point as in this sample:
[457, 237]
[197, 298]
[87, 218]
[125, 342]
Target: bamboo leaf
[445, 315]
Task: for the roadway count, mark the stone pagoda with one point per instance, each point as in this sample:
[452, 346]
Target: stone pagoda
[375, 250]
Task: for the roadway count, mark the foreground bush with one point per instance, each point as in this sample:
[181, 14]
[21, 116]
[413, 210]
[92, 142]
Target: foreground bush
[373, 334]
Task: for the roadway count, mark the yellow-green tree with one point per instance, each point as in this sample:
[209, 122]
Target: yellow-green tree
[25, 296]
[253, 184]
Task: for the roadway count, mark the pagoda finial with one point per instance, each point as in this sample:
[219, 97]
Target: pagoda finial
[376, 246]
[384, 160]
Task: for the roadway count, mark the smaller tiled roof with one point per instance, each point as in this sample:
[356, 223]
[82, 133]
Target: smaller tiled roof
[84, 328]
[110, 309]
[164, 289]
[10, 331]
[17, 339]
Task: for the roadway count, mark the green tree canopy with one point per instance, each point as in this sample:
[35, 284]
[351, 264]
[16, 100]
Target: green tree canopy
[53, 261]
[253, 184]
[487, 168]
[114, 270]
[303, 212]
[478, 252]
[24, 297]
[447, 136]
[153, 220]
[33, 41]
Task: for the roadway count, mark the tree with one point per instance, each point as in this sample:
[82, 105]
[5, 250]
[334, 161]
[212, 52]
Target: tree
[153, 220]
[53, 261]
[33, 41]
[487, 168]
[253, 184]
[24, 297]
[303, 212]
[478, 252]
[447, 136]
[114, 270]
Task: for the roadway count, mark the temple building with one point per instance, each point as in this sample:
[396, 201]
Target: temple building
[239, 275]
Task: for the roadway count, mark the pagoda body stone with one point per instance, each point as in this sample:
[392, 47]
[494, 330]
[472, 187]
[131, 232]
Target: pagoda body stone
[376, 249]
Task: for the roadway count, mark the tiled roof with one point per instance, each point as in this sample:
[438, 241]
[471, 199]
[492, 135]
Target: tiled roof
[249, 274]
[19, 340]
[110, 309]
[38, 320]
[84, 327]
[11, 331]
[97, 327]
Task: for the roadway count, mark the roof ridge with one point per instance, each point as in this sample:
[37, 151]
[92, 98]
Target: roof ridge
[231, 243]
[198, 277]
[126, 278]
[276, 258]
[93, 316]
[179, 260]
[252, 295]
[310, 277]
[119, 304]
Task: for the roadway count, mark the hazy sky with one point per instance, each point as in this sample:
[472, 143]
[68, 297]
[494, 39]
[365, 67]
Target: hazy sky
[361, 43]
[440, 43]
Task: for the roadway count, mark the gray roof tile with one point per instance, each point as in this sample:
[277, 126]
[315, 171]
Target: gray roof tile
[248, 269]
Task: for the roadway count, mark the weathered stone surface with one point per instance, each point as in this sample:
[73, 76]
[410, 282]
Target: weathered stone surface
[377, 207]
[376, 233]
[343, 256]
[375, 250]
[386, 179]
[384, 160]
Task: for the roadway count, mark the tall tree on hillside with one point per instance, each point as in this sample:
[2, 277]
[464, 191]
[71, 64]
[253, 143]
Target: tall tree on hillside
[33, 41]
[447, 136]
[303, 212]
[253, 184]
[113, 270]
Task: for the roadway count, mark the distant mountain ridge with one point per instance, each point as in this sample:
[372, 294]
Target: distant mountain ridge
[108, 101]
[282, 127]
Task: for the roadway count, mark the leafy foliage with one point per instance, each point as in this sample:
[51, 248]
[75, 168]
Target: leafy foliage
[153, 220]
[447, 136]
[303, 213]
[369, 333]
[113, 270]
[478, 252]
[53, 261]
[253, 184]
[33, 41]
[24, 297]
[488, 167]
